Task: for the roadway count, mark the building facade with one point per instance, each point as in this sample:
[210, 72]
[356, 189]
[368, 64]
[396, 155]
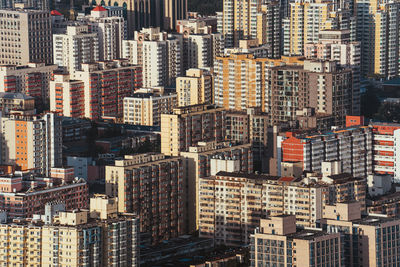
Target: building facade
[145, 106]
[97, 91]
[26, 37]
[32, 142]
[151, 186]
[78, 45]
[188, 125]
[195, 88]
[32, 79]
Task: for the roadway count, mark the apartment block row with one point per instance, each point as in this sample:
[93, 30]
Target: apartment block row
[231, 204]
[97, 91]
[99, 236]
[345, 239]
[363, 150]
[284, 87]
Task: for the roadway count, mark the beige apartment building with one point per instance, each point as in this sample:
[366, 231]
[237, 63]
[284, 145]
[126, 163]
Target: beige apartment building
[25, 37]
[32, 79]
[146, 105]
[96, 237]
[208, 158]
[196, 87]
[186, 126]
[231, 204]
[78, 45]
[153, 187]
[370, 241]
[277, 242]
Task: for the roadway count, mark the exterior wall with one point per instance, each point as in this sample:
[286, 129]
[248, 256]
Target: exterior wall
[152, 187]
[32, 143]
[230, 206]
[95, 92]
[195, 88]
[147, 109]
[353, 147]
[189, 125]
[32, 79]
[75, 47]
[29, 42]
[197, 164]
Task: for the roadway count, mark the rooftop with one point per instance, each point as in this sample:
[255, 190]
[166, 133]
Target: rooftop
[8, 95]
[99, 8]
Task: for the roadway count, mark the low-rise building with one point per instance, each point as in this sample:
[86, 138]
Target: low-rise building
[17, 102]
[23, 195]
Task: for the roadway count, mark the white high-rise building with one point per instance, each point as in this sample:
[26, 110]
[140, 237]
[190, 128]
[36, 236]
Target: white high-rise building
[111, 31]
[78, 45]
[159, 54]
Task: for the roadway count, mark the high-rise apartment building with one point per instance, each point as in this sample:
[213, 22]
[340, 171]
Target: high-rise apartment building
[96, 91]
[323, 85]
[96, 237]
[196, 87]
[277, 242]
[207, 158]
[32, 79]
[110, 31]
[251, 126]
[306, 20]
[158, 53]
[75, 47]
[239, 20]
[337, 45]
[32, 142]
[200, 44]
[269, 28]
[186, 126]
[146, 105]
[23, 195]
[352, 146]
[145, 13]
[369, 240]
[378, 33]
[231, 204]
[153, 187]
[386, 145]
[25, 37]
[283, 87]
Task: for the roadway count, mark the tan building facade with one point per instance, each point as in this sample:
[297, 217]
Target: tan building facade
[26, 37]
[278, 243]
[146, 105]
[151, 186]
[206, 159]
[188, 125]
[195, 88]
[96, 237]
